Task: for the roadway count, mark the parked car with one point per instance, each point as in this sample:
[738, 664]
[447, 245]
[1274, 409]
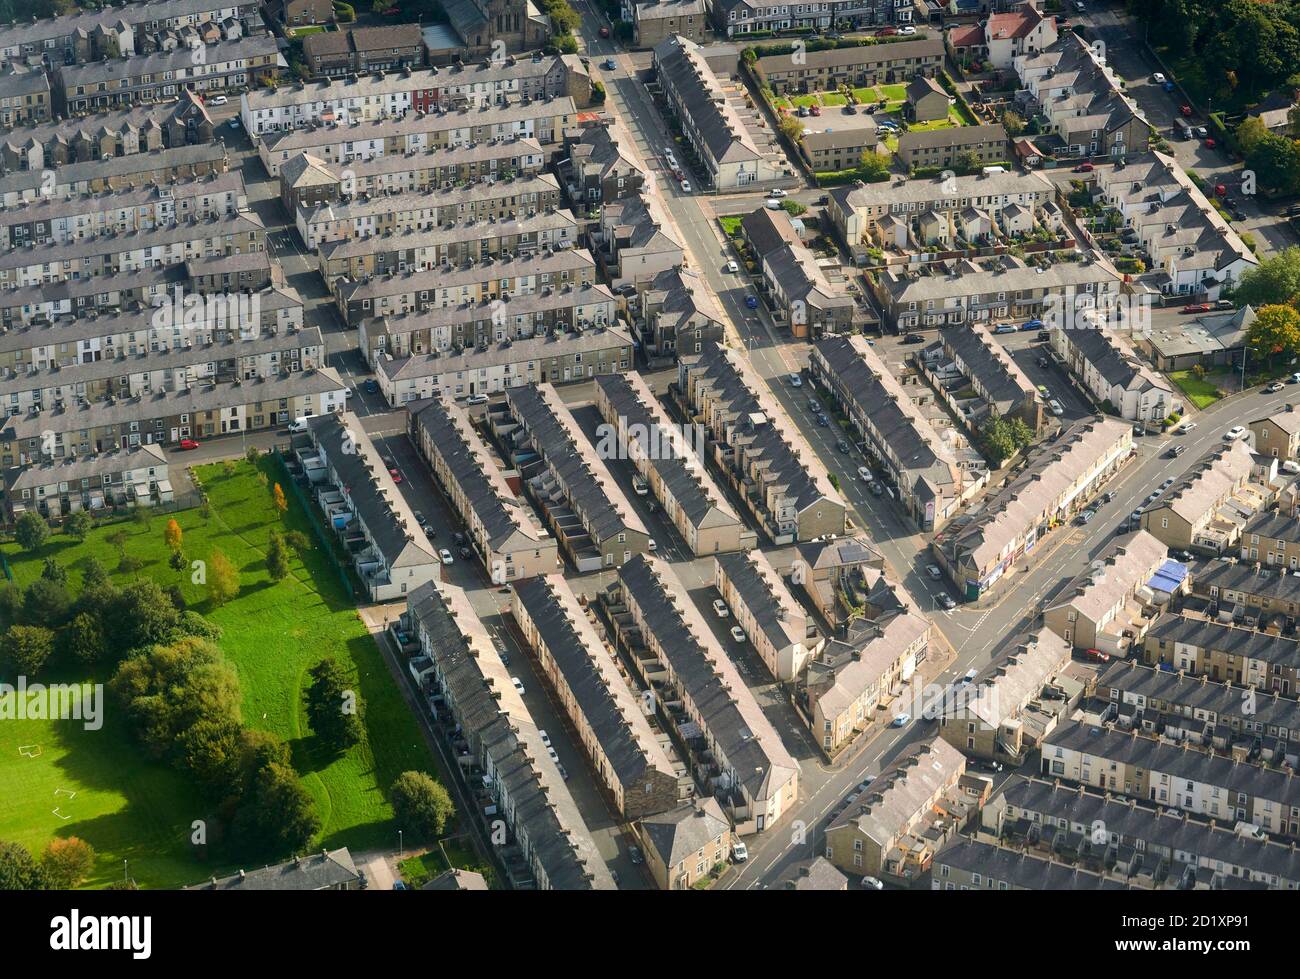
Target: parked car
[872, 884]
[445, 557]
[635, 855]
[732, 267]
[864, 474]
[1291, 466]
[187, 444]
[1197, 308]
[1043, 336]
[1004, 328]
[739, 852]
[298, 425]
[751, 302]
[933, 571]
[737, 633]
[604, 32]
[913, 338]
[1274, 387]
[772, 204]
[476, 399]
[907, 31]
[686, 187]
[218, 100]
[876, 489]
[1176, 450]
[901, 720]
[1097, 656]
[650, 544]
[823, 421]
[814, 406]
[1056, 407]
[518, 684]
[1235, 432]
[371, 386]
[1034, 324]
[610, 64]
[796, 381]
[720, 608]
[1084, 168]
[1158, 78]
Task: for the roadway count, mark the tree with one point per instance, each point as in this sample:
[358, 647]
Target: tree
[277, 494]
[299, 541]
[212, 751]
[142, 615]
[223, 578]
[52, 570]
[84, 638]
[998, 440]
[873, 165]
[1275, 280]
[792, 128]
[333, 708]
[173, 535]
[67, 862]
[1276, 162]
[78, 525]
[118, 539]
[967, 163]
[93, 573]
[1014, 123]
[1021, 434]
[177, 560]
[31, 530]
[281, 816]
[1250, 134]
[421, 806]
[1276, 330]
[793, 208]
[19, 870]
[26, 648]
[167, 689]
[46, 602]
[277, 557]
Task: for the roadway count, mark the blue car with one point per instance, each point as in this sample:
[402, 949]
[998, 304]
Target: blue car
[1169, 86]
[751, 302]
[371, 386]
[1033, 325]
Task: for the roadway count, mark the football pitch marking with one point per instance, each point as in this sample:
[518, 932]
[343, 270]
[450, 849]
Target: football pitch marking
[29, 750]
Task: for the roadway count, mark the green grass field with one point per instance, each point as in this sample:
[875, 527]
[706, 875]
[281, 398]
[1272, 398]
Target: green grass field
[1203, 392]
[274, 632]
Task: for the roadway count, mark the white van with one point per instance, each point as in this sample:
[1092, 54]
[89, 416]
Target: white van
[970, 676]
[1291, 466]
[298, 425]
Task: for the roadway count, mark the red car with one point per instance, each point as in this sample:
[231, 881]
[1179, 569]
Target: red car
[1186, 110]
[887, 32]
[1210, 143]
[1197, 308]
[815, 110]
[189, 444]
[1220, 190]
[1097, 656]
[604, 32]
[1084, 168]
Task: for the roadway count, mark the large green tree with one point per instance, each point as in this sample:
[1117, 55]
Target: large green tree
[1275, 280]
[27, 648]
[333, 705]
[421, 805]
[19, 870]
[1275, 332]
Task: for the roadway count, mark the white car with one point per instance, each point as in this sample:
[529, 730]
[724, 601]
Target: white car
[778, 192]
[796, 381]
[650, 544]
[668, 155]
[1158, 78]
[737, 633]
[720, 608]
[1291, 466]
[872, 884]
[1235, 432]
[772, 204]
[445, 557]
[476, 399]
[739, 852]
[906, 31]
[732, 267]
[218, 100]
[1056, 406]
[546, 738]
[554, 757]
[518, 684]
[686, 186]
[864, 474]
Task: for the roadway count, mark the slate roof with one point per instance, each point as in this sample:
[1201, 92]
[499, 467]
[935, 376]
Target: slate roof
[313, 872]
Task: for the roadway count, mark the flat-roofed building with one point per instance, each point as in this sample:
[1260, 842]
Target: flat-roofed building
[634, 763]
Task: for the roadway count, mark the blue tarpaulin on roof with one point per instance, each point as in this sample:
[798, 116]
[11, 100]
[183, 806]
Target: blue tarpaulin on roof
[1170, 576]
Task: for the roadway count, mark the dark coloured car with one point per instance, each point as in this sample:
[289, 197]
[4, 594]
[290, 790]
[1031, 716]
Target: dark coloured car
[371, 386]
[823, 421]
[814, 406]
[913, 338]
[459, 538]
[877, 489]
[842, 446]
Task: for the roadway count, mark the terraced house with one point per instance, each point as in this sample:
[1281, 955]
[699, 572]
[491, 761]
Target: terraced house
[1058, 479]
[446, 246]
[1214, 714]
[1247, 593]
[309, 179]
[111, 31]
[558, 358]
[583, 504]
[754, 444]
[1110, 370]
[931, 483]
[1194, 781]
[869, 64]
[24, 95]
[747, 768]
[1004, 716]
[148, 372]
[636, 764]
[109, 254]
[500, 526]
[422, 210]
[554, 847]
[556, 83]
[394, 294]
[784, 636]
[364, 49]
[679, 314]
[1224, 652]
[161, 75]
[120, 132]
[476, 325]
[1207, 508]
[128, 477]
[727, 152]
[990, 371]
[639, 430]
[202, 411]
[72, 218]
[993, 289]
[117, 173]
[1278, 435]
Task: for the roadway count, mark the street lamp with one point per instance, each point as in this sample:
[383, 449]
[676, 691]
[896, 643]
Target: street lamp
[401, 846]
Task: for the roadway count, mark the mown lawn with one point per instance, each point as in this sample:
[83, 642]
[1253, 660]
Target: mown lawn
[274, 632]
[1203, 392]
[731, 224]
